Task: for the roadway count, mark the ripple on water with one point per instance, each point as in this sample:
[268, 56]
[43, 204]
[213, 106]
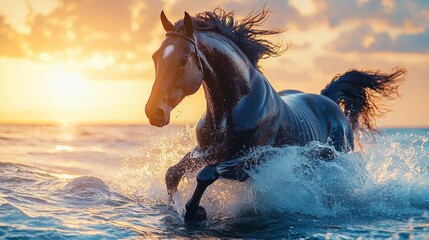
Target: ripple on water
[88, 190]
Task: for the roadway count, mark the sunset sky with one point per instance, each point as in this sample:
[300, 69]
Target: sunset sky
[90, 60]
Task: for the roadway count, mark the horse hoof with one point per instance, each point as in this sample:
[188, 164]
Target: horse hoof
[197, 217]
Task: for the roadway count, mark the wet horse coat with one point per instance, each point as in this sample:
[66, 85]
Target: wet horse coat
[243, 110]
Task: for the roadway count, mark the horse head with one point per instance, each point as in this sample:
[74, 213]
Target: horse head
[178, 70]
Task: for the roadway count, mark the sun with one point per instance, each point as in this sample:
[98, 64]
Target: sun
[68, 94]
[68, 84]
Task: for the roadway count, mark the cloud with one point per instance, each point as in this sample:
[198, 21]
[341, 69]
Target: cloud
[366, 39]
[412, 42]
[339, 63]
[282, 12]
[379, 26]
[288, 71]
[9, 44]
[94, 25]
[99, 33]
[393, 13]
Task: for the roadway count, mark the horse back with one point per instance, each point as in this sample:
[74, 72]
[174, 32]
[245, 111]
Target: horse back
[313, 117]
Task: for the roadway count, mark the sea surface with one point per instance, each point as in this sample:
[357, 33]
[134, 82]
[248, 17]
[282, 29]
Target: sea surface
[107, 182]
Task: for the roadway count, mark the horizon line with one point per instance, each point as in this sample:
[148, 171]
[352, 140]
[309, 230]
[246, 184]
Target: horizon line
[143, 123]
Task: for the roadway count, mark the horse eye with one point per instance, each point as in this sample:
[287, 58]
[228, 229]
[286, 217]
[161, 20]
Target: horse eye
[183, 63]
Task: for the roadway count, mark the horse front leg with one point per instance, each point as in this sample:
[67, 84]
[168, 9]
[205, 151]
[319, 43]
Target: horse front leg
[194, 212]
[175, 173]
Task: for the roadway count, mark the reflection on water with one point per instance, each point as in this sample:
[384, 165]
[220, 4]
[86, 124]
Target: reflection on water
[59, 148]
[67, 148]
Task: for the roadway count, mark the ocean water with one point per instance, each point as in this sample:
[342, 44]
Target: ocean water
[107, 182]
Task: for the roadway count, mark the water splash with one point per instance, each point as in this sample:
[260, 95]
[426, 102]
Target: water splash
[389, 178]
[141, 175]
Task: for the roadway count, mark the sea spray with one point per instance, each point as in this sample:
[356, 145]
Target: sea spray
[388, 177]
[142, 172]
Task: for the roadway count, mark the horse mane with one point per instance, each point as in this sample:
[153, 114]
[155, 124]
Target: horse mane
[244, 33]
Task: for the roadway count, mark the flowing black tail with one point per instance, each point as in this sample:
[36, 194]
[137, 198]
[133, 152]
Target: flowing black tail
[359, 94]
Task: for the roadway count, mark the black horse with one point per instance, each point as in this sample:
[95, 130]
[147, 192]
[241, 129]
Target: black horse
[243, 110]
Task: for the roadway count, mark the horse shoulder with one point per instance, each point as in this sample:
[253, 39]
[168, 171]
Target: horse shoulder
[255, 107]
[204, 132]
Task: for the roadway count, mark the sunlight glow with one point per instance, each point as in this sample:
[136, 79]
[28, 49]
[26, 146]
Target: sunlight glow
[68, 86]
[68, 94]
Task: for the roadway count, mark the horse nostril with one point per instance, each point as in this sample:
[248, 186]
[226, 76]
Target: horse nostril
[159, 114]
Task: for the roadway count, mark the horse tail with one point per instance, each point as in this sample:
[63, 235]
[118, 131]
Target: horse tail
[359, 94]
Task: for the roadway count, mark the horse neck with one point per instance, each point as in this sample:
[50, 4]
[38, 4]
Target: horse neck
[226, 74]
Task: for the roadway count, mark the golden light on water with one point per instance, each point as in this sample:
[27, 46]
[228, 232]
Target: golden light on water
[63, 148]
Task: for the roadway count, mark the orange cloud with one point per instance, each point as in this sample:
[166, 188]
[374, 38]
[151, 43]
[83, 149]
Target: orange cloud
[9, 40]
[81, 31]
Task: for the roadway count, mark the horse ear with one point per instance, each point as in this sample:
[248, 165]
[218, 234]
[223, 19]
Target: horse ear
[168, 26]
[189, 27]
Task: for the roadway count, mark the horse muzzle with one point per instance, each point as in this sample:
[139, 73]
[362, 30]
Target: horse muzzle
[158, 116]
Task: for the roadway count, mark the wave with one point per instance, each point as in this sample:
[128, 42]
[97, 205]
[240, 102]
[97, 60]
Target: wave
[29, 184]
[49, 205]
[91, 190]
